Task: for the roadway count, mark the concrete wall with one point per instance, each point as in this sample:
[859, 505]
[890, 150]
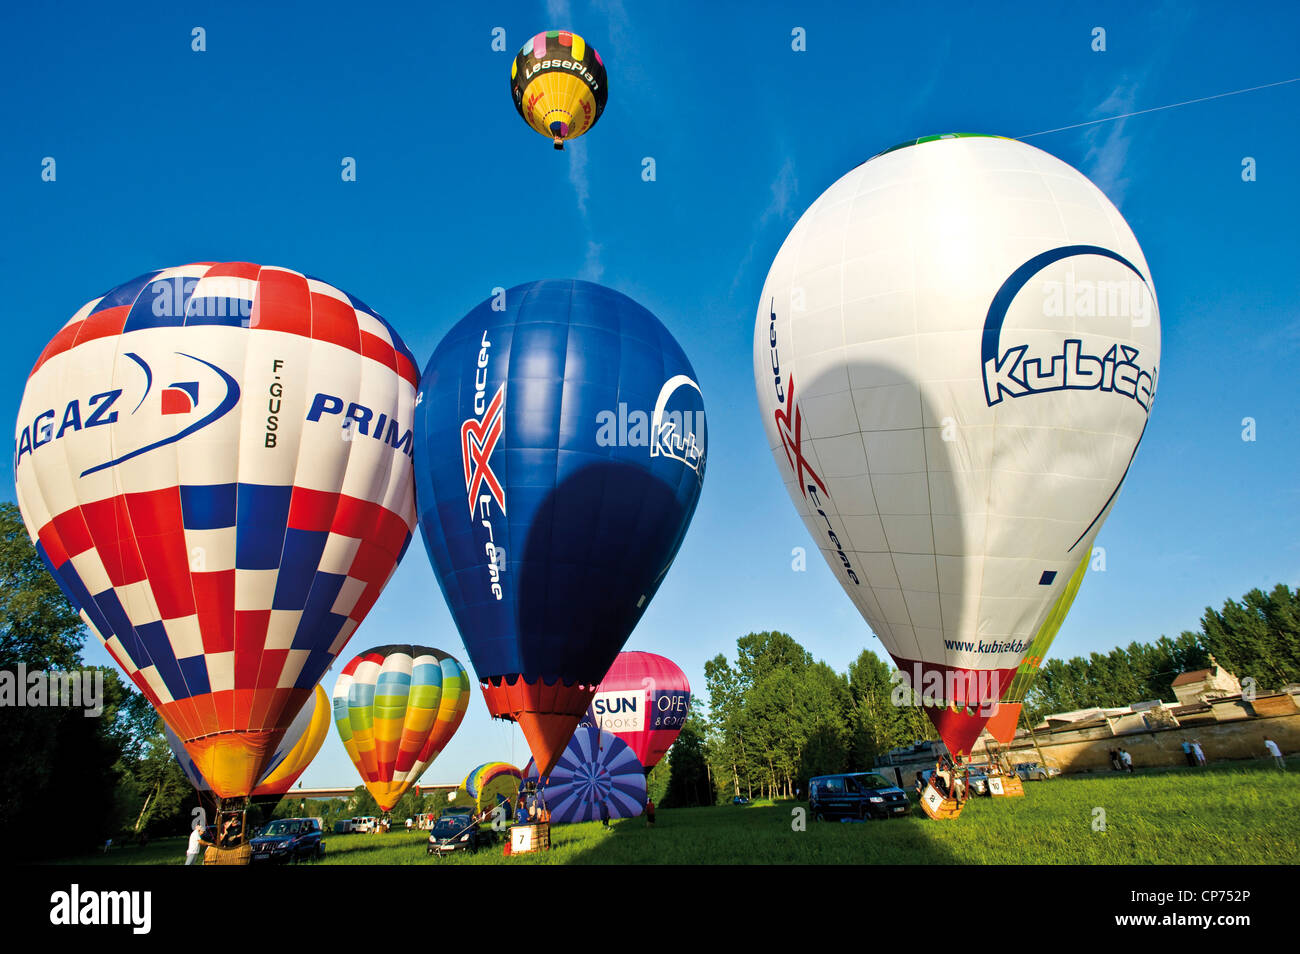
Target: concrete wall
[1088, 750]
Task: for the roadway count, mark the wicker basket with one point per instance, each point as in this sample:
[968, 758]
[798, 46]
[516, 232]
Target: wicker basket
[936, 806]
[239, 855]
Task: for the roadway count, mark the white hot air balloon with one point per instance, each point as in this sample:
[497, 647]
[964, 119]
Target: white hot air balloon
[955, 353]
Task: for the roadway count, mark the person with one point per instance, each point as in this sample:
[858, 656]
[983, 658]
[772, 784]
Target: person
[521, 810]
[1200, 753]
[943, 778]
[195, 845]
[410, 823]
[1127, 760]
[1115, 760]
[604, 814]
[920, 783]
[1189, 754]
[231, 830]
[1274, 751]
[649, 812]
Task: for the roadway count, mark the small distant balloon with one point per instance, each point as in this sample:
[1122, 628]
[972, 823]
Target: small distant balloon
[559, 85]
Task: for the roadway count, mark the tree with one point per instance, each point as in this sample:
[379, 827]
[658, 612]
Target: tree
[38, 627]
[688, 781]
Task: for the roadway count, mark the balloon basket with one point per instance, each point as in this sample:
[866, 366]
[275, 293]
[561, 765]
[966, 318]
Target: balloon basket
[528, 838]
[1006, 786]
[938, 806]
[238, 855]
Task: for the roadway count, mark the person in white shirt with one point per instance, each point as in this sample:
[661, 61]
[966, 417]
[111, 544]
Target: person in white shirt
[195, 846]
[1274, 751]
[1200, 754]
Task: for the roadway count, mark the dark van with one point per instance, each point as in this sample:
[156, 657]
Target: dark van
[860, 795]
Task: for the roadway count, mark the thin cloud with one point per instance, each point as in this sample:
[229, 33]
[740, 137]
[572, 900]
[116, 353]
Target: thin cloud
[1108, 146]
[578, 175]
[785, 187]
[592, 268]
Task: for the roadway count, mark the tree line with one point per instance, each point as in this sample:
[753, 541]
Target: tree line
[774, 717]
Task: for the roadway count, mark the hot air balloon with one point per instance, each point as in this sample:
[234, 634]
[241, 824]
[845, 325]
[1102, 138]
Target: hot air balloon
[214, 461]
[596, 769]
[396, 708]
[644, 700]
[560, 450]
[491, 782]
[559, 86]
[955, 353]
[297, 748]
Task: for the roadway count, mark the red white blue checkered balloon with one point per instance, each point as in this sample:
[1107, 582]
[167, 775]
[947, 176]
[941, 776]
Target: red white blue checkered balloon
[214, 461]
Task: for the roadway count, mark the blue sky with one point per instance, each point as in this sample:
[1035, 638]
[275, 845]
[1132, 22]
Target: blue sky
[165, 156]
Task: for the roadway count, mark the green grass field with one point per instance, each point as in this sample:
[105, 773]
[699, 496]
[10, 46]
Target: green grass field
[1234, 813]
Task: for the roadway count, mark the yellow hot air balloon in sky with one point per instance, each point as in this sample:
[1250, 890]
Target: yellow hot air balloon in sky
[559, 85]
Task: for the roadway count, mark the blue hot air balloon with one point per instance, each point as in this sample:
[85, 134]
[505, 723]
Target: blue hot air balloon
[560, 445]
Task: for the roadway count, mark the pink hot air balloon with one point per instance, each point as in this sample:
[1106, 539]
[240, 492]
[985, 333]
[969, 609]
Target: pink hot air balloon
[644, 700]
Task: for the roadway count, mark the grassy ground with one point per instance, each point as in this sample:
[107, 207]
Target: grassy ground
[1234, 813]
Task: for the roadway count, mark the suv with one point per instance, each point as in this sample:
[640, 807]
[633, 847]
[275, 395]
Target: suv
[286, 839]
[860, 795]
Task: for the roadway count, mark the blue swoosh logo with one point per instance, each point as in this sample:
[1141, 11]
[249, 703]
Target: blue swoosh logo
[1002, 303]
[1021, 276]
[148, 377]
[221, 410]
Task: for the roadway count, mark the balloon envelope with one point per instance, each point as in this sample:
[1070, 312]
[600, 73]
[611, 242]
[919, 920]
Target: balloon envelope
[214, 461]
[560, 451]
[955, 355]
[491, 781]
[396, 708]
[299, 745]
[596, 770]
[644, 700]
[559, 85]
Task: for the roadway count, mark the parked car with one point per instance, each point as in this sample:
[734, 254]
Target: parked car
[289, 839]
[977, 777]
[858, 795]
[1035, 771]
[458, 832]
[740, 800]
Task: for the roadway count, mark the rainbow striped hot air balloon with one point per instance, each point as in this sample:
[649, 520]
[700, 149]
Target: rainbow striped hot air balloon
[396, 707]
[492, 778]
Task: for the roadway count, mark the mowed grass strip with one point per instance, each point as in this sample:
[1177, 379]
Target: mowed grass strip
[1235, 813]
